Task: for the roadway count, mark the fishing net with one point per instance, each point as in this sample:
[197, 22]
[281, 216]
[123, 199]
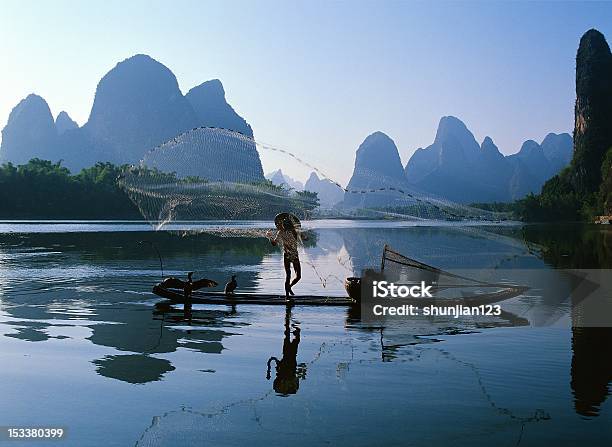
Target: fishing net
[316, 414]
[403, 270]
[211, 180]
[209, 174]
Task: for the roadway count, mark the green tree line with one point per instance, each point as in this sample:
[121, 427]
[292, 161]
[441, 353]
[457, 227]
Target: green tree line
[42, 189]
[560, 200]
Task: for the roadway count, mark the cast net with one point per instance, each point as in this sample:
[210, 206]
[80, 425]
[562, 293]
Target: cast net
[479, 285]
[212, 180]
[210, 174]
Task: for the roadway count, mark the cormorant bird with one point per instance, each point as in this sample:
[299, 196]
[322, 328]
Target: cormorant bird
[231, 286]
[187, 287]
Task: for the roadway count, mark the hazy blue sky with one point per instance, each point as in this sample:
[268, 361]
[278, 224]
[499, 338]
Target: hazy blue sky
[317, 77]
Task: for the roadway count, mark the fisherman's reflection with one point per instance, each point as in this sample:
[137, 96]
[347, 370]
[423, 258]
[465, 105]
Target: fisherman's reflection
[288, 372]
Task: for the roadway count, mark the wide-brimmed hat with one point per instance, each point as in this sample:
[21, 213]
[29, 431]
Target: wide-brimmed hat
[287, 217]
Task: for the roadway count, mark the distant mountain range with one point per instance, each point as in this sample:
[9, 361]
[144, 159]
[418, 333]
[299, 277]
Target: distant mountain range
[138, 105]
[328, 192]
[456, 167]
[278, 178]
[377, 165]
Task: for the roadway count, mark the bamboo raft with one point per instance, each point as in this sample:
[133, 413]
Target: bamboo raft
[206, 297]
[219, 298]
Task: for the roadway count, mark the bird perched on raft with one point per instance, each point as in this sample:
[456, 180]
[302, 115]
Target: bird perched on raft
[189, 286]
[231, 286]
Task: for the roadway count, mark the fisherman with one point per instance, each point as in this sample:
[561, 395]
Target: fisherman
[289, 236]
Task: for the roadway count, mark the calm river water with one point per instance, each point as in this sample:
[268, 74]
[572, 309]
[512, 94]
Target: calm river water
[86, 346]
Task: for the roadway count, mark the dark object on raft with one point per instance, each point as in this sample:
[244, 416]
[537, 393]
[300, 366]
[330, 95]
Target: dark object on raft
[449, 288]
[230, 287]
[175, 283]
[353, 287]
[504, 292]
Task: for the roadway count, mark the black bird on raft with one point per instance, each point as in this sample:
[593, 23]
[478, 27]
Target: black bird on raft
[231, 286]
[187, 287]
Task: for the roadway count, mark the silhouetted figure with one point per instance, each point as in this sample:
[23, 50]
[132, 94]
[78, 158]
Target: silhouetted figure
[231, 286]
[289, 236]
[287, 374]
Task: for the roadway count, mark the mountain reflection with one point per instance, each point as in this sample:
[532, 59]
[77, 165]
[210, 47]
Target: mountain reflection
[136, 329]
[443, 247]
[561, 246]
[139, 329]
[133, 368]
[566, 246]
[144, 332]
[591, 368]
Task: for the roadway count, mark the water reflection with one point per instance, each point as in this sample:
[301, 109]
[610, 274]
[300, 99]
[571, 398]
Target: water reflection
[288, 372]
[591, 368]
[140, 329]
[50, 284]
[446, 248]
[585, 247]
[133, 368]
[39, 268]
[137, 329]
[572, 246]
[144, 332]
[30, 331]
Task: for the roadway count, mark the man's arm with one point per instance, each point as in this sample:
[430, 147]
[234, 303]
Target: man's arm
[273, 240]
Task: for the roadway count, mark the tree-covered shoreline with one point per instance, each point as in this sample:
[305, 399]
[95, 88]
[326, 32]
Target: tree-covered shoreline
[41, 189]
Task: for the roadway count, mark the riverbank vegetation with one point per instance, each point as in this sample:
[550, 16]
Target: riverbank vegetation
[41, 189]
[560, 200]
